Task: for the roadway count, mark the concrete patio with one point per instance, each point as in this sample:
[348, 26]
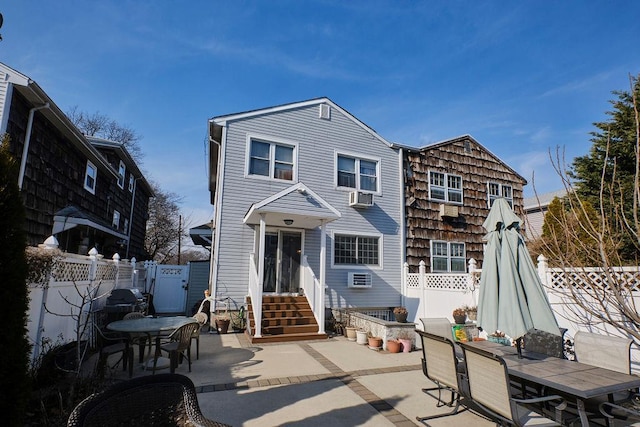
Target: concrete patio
[329, 382]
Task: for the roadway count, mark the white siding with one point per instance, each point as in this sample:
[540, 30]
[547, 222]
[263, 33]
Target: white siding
[317, 139]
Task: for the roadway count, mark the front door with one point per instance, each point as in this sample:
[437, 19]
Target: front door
[282, 262]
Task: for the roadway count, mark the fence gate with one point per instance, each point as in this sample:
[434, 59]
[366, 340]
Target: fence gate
[170, 289]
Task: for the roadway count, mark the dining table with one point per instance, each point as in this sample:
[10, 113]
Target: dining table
[575, 381]
[154, 328]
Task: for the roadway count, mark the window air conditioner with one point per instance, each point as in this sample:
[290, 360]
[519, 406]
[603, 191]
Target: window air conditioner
[448, 211]
[359, 280]
[360, 200]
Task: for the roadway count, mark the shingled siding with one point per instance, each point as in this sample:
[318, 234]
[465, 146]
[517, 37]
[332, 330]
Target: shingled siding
[477, 167]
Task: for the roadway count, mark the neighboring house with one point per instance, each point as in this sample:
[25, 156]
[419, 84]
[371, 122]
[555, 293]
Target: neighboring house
[308, 201]
[449, 188]
[535, 209]
[87, 192]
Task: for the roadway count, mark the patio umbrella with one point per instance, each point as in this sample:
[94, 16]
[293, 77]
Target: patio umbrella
[512, 299]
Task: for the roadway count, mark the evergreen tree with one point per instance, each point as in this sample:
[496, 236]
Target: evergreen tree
[610, 166]
[14, 358]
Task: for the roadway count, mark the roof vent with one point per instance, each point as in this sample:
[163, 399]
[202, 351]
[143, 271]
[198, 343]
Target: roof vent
[325, 111]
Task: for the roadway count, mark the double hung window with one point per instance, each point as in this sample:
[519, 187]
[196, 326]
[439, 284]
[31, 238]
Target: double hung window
[90, 176]
[272, 160]
[445, 187]
[356, 250]
[116, 220]
[496, 190]
[122, 170]
[447, 257]
[357, 173]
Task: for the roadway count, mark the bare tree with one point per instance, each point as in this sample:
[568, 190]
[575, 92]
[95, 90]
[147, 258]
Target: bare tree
[589, 239]
[165, 226]
[100, 125]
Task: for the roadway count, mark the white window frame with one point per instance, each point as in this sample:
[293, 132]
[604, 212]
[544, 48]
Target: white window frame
[273, 142]
[131, 180]
[90, 172]
[446, 189]
[378, 266]
[357, 158]
[115, 223]
[122, 171]
[504, 190]
[448, 256]
[125, 227]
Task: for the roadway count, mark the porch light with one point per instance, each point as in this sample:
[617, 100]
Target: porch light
[288, 221]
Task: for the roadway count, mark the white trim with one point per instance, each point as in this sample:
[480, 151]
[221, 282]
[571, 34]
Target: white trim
[357, 266]
[272, 141]
[213, 274]
[357, 157]
[90, 189]
[500, 191]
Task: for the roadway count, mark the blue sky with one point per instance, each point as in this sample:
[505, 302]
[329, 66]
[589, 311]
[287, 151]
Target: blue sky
[521, 77]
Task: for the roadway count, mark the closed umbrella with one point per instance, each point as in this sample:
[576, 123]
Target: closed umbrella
[512, 299]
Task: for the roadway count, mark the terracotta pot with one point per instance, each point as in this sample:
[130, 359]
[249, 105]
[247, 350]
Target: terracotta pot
[393, 346]
[406, 345]
[375, 342]
[222, 325]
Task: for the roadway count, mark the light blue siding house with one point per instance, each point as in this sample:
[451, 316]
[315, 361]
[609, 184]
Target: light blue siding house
[308, 202]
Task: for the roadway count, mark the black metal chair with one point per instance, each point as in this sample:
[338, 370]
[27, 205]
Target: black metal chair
[113, 343]
[156, 400]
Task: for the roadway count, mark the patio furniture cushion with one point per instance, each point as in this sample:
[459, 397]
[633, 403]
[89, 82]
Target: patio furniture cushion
[163, 399]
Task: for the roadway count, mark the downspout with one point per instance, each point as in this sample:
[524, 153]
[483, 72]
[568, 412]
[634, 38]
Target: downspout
[403, 229]
[27, 140]
[133, 204]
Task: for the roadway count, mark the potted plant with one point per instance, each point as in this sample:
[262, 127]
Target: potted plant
[375, 343]
[460, 316]
[394, 346]
[400, 314]
[406, 339]
[351, 332]
[472, 312]
[361, 336]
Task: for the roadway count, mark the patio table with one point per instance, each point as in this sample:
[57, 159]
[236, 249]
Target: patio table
[576, 381]
[153, 327]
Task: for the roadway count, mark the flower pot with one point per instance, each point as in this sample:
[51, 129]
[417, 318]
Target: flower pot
[361, 337]
[223, 325]
[401, 317]
[394, 346]
[406, 344]
[460, 320]
[375, 342]
[351, 333]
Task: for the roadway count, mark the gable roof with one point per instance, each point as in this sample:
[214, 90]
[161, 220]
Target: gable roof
[465, 137]
[223, 120]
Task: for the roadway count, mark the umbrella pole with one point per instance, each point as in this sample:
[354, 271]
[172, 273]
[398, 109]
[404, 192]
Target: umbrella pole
[519, 347]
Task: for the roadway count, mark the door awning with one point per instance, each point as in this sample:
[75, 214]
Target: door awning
[71, 216]
[297, 206]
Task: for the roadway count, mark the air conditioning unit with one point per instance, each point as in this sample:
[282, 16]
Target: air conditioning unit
[359, 280]
[449, 211]
[360, 200]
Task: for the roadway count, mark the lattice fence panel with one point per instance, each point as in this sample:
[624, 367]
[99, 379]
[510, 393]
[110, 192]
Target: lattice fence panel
[589, 278]
[455, 282]
[413, 280]
[106, 272]
[72, 271]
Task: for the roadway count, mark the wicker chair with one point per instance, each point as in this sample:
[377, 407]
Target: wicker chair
[179, 346]
[140, 339]
[440, 365]
[156, 400]
[490, 389]
[202, 319]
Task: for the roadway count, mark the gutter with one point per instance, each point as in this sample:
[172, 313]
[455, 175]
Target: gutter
[27, 140]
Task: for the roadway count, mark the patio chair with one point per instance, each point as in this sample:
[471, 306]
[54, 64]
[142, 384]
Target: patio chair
[612, 353]
[437, 326]
[440, 365]
[179, 346]
[543, 342]
[490, 389]
[110, 343]
[202, 319]
[140, 339]
[163, 399]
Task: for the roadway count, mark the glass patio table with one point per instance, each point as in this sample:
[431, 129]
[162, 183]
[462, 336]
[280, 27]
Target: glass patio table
[152, 327]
